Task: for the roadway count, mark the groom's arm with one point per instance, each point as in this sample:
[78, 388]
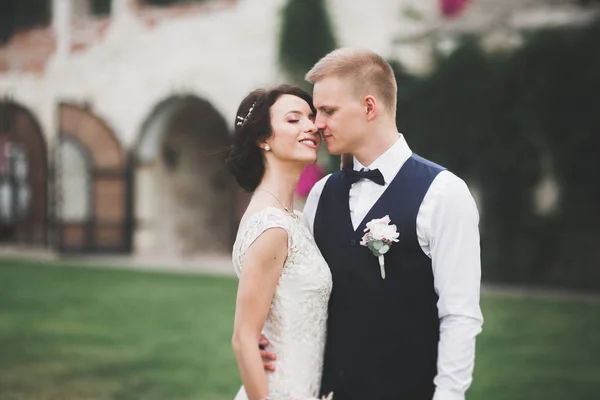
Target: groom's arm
[449, 226]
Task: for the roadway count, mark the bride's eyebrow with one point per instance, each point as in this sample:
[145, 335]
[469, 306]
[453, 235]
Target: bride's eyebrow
[294, 112]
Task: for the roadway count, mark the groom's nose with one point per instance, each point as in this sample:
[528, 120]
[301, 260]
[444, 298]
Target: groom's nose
[320, 123]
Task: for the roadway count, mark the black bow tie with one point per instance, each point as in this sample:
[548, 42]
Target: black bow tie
[373, 174]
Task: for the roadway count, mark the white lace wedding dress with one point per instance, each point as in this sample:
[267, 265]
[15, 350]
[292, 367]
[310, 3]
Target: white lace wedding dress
[296, 324]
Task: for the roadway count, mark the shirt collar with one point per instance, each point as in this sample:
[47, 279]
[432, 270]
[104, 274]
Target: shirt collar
[390, 162]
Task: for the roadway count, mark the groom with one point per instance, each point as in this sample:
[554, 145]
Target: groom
[410, 336]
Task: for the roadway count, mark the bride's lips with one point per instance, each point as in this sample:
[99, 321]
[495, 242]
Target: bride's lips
[312, 143]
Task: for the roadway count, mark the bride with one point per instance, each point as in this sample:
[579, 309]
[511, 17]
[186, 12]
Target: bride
[284, 282]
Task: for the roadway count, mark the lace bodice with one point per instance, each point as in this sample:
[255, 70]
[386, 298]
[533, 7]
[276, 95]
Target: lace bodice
[296, 323]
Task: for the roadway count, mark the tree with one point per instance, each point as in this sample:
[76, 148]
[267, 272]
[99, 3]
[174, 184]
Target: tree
[18, 14]
[306, 36]
[492, 120]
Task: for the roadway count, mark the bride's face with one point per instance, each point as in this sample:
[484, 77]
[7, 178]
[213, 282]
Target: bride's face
[294, 135]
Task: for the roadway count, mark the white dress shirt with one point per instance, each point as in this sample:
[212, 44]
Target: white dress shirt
[447, 229]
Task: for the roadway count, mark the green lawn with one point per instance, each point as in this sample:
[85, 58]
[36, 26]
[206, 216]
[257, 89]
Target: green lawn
[90, 334]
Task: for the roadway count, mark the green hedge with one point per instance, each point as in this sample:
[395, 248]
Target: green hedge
[17, 15]
[306, 35]
[493, 120]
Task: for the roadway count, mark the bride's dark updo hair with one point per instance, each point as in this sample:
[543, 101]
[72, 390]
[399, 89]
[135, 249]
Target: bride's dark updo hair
[253, 126]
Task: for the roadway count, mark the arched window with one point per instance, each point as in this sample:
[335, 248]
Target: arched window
[15, 190]
[74, 183]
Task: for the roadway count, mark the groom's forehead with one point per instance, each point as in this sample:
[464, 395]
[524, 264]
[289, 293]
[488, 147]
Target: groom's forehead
[329, 85]
[330, 89]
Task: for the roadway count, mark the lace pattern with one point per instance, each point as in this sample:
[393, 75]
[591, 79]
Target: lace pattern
[296, 323]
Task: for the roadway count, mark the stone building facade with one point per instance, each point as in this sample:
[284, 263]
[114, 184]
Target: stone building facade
[113, 128]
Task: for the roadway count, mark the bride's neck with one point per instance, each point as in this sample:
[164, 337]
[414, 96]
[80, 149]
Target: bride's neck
[281, 182]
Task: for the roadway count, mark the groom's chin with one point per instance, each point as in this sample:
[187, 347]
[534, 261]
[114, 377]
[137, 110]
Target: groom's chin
[333, 151]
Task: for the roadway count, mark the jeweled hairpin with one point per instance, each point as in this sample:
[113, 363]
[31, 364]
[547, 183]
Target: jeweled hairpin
[242, 121]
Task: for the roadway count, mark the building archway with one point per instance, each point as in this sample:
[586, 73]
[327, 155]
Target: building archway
[92, 185]
[184, 203]
[23, 177]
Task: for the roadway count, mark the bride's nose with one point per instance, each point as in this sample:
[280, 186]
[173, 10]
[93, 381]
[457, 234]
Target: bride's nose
[311, 127]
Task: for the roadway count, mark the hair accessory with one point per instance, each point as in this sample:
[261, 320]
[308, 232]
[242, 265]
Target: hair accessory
[242, 121]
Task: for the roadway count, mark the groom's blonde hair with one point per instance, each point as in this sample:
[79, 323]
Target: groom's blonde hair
[369, 72]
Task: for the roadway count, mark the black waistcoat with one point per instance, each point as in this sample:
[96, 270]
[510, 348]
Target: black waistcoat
[382, 335]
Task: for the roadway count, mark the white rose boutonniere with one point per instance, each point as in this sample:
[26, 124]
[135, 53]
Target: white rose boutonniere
[379, 237]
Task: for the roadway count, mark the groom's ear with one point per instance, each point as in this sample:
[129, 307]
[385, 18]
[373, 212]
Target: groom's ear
[370, 104]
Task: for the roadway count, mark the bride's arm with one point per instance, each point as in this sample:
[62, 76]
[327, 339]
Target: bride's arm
[260, 273]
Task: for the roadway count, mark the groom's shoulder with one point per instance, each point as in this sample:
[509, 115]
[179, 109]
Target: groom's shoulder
[423, 169]
[427, 163]
[335, 176]
[440, 175]
[444, 182]
[324, 180]
[317, 188]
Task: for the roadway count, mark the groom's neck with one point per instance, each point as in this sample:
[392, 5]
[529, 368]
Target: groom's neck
[376, 142]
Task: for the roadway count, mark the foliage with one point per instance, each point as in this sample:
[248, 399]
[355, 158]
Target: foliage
[306, 36]
[169, 2]
[495, 121]
[18, 14]
[101, 7]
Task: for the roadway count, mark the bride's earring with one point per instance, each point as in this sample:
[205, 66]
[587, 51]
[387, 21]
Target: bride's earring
[267, 148]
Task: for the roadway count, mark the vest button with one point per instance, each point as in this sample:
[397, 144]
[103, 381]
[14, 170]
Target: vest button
[352, 242]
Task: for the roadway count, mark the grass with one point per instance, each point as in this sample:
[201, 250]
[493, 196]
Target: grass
[93, 334]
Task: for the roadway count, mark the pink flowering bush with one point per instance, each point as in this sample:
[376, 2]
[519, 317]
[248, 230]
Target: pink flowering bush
[451, 8]
[311, 175]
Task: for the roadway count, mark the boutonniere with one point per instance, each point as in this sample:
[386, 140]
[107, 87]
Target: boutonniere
[379, 237]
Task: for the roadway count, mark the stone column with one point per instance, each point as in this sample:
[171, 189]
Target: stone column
[120, 7]
[81, 8]
[61, 24]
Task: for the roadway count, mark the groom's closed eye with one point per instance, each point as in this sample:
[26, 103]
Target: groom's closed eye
[326, 110]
